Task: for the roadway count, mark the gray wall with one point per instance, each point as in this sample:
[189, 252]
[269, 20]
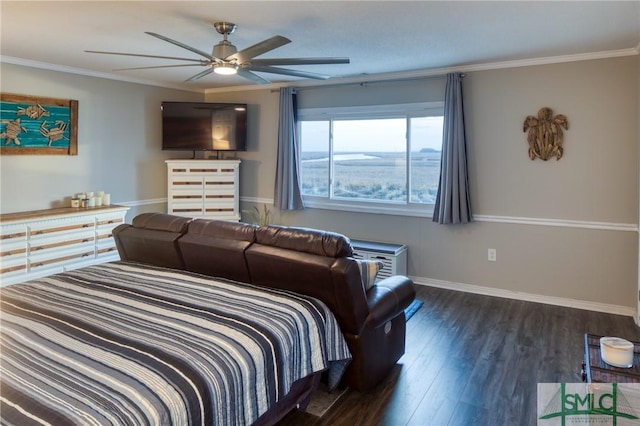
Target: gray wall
[596, 181]
[119, 141]
[638, 160]
[592, 188]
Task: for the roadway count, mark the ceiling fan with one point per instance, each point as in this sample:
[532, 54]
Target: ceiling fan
[227, 60]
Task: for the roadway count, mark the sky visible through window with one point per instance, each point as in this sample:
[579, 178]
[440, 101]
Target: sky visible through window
[375, 136]
[369, 159]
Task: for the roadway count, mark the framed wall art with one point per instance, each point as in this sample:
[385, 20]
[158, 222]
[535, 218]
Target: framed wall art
[34, 125]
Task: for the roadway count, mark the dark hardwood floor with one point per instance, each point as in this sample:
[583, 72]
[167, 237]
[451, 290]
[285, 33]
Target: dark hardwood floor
[474, 360]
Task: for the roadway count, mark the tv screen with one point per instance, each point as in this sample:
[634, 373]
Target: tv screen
[204, 126]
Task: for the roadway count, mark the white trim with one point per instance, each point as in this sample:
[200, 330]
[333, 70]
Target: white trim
[404, 211]
[88, 73]
[256, 200]
[551, 60]
[339, 80]
[438, 71]
[424, 210]
[527, 297]
[137, 203]
[626, 227]
[421, 109]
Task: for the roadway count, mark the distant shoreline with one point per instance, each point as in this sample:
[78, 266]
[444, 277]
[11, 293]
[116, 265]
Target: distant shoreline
[360, 155]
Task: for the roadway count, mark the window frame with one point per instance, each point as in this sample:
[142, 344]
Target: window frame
[407, 208]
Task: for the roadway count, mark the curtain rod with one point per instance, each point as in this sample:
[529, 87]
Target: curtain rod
[367, 83]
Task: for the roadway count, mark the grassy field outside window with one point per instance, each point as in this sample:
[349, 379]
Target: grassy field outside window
[392, 159]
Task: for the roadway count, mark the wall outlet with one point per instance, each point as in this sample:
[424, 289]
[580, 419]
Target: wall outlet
[492, 255]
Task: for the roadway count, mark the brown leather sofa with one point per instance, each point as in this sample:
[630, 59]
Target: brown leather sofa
[313, 262]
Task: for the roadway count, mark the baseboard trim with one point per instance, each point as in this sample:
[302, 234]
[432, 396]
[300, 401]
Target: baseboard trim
[609, 226]
[527, 297]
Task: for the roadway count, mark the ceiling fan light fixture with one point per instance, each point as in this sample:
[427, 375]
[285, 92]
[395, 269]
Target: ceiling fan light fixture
[225, 58]
[225, 69]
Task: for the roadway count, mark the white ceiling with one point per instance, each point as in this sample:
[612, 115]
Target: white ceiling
[378, 36]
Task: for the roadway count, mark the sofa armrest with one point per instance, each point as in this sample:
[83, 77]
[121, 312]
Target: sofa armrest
[388, 298]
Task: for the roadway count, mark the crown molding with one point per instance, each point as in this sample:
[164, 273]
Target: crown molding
[431, 72]
[362, 78]
[88, 73]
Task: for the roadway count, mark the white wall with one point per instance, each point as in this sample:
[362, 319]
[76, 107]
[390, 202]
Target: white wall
[119, 138]
[595, 183]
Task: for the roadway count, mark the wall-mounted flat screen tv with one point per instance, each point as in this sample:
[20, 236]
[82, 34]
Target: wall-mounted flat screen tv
[204, 126]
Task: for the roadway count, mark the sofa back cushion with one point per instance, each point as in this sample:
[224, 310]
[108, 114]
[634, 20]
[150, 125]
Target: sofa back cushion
[216, 248]
[302, 260]
[152, 238]
[161, 222]
[311, 262]
[307, 240]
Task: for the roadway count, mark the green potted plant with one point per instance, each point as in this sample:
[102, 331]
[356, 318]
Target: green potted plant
[259, 216]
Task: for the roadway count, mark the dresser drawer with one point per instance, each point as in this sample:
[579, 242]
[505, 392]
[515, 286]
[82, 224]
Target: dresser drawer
[203, 188]
[104, 227]
[14, 263]
[12, 247]
[39, 243]
[53, 259]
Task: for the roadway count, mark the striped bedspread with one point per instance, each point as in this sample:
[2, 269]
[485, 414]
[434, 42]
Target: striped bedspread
[123, 344]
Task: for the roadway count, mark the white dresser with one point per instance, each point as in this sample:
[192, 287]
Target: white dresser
[203, 188]
[43, 242]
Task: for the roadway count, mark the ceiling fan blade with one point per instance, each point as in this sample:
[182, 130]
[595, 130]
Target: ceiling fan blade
[200, 74]
[148, 56]
[185, 46]
[296, 73]
[258, 49]
[158, 66]
[299, 61]
[253, 77]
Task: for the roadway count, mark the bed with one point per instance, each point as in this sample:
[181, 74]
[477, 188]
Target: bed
[124, 343]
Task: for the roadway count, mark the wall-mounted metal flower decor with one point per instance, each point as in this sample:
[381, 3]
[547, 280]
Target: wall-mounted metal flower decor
[545, 134]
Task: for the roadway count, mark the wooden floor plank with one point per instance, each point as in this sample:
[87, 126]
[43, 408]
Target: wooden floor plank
[474, 360]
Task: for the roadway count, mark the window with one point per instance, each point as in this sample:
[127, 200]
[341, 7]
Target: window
[378, 159]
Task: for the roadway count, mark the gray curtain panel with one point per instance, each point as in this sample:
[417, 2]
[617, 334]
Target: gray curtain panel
[287, 189]
[452, 201]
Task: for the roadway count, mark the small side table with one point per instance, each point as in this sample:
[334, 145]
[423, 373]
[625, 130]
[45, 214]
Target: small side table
[594, 369]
